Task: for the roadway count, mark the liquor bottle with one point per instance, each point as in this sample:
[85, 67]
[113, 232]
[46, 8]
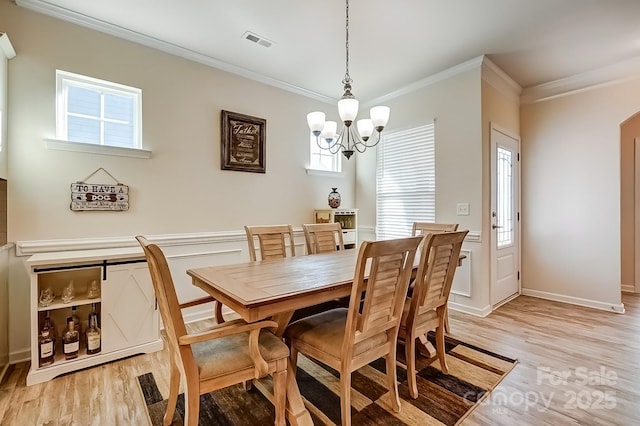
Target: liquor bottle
[70, 340]
[46, 343]
[76, 319]
[93, 334]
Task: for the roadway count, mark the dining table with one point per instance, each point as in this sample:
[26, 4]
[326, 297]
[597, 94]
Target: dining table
[274, 289]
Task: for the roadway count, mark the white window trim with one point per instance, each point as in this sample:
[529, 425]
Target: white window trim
[65, 145]
[60, 142]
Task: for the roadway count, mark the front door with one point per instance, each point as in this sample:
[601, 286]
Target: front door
[505, 216]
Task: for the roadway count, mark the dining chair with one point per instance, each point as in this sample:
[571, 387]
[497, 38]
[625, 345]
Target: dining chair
[425, 310]
[348, 339]
[323, 237]
[225, 354]
[423, 228]
[272, 241]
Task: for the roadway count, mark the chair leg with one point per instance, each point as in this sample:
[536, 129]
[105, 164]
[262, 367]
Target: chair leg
[440, 348]
[410, 355]
[192, 404]
[174, 388]
[218, 312]
[446, 319]
[392, 381]
[293, 356]
[280, 395]
[345, 397]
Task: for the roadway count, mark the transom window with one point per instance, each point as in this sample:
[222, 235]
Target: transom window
[98, 112]
[406, 181]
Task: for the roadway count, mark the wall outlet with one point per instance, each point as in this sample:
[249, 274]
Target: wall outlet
[462, 209]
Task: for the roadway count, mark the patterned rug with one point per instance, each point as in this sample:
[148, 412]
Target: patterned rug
[444, 398]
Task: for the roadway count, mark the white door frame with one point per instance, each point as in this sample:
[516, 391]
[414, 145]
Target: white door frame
[492, 205]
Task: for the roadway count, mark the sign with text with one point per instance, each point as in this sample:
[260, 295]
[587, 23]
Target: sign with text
[99, 196]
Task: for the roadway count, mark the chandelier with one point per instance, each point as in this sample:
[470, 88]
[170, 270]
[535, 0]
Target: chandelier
[348, 139]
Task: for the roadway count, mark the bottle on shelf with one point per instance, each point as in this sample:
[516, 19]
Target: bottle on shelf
[76, 319]
[46, 343]
[70, 340]
[93, 333]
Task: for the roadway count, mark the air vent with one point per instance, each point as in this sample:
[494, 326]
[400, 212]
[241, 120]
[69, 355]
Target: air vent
[255, 38]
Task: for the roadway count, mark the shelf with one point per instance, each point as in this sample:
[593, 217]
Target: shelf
[59, 304]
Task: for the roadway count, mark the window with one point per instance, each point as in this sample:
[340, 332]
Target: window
[322, 159]
[406, 181]
[98, 112]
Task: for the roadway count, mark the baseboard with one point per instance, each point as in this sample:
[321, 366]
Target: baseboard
[617, 308]
[628, 288]
[19, 356]
[482, 312]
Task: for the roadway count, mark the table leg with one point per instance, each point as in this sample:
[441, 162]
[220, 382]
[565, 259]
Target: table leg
[297, 413]
[425, 347]
[283, 321]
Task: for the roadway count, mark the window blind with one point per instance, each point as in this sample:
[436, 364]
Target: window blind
[406, 181]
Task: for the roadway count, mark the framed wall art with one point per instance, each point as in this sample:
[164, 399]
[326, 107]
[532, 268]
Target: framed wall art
[243, 142]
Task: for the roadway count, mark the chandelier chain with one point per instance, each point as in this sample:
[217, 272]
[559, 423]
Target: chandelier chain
[347, 77]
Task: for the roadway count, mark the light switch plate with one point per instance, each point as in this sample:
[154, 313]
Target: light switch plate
[462, 209]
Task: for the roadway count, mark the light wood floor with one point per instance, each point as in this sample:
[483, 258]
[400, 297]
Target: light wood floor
[576, 366]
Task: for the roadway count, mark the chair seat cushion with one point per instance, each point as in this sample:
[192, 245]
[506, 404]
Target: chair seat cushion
[325, 332]
[231, 353]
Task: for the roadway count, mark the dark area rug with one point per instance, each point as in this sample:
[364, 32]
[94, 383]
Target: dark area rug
[444, 398]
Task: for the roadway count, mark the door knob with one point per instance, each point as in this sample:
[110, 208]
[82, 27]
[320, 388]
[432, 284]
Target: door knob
[495, 226]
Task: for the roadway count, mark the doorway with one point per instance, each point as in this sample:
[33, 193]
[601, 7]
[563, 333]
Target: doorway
[505, 216]
[630, 204]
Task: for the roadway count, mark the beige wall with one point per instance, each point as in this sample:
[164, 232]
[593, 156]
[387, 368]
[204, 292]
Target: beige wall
[181, 189]
[455, 105]
[571, 193]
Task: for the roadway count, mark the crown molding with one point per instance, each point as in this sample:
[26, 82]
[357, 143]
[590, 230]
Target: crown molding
[498, 79]
[58, 12]
[471, 64]
[616, 73]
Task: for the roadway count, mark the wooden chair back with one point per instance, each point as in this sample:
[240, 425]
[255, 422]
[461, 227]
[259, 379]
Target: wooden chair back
[323, 237]
[423, 228]
[427, 305]
[389, 264]
[438, 263]
[272, 241]
[167, 299]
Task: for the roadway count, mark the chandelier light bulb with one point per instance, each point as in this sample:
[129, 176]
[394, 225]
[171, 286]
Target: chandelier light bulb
[379, 116]
[329, 131]
[315, 120]
[365, 128]
[348, 110]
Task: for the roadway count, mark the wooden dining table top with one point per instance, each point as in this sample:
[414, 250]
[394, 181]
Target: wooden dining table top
[258, 290]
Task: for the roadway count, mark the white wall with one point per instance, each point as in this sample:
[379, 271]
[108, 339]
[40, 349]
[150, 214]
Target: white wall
[571, 194]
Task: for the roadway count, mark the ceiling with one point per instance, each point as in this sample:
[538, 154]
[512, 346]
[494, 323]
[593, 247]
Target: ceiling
[393, 43]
